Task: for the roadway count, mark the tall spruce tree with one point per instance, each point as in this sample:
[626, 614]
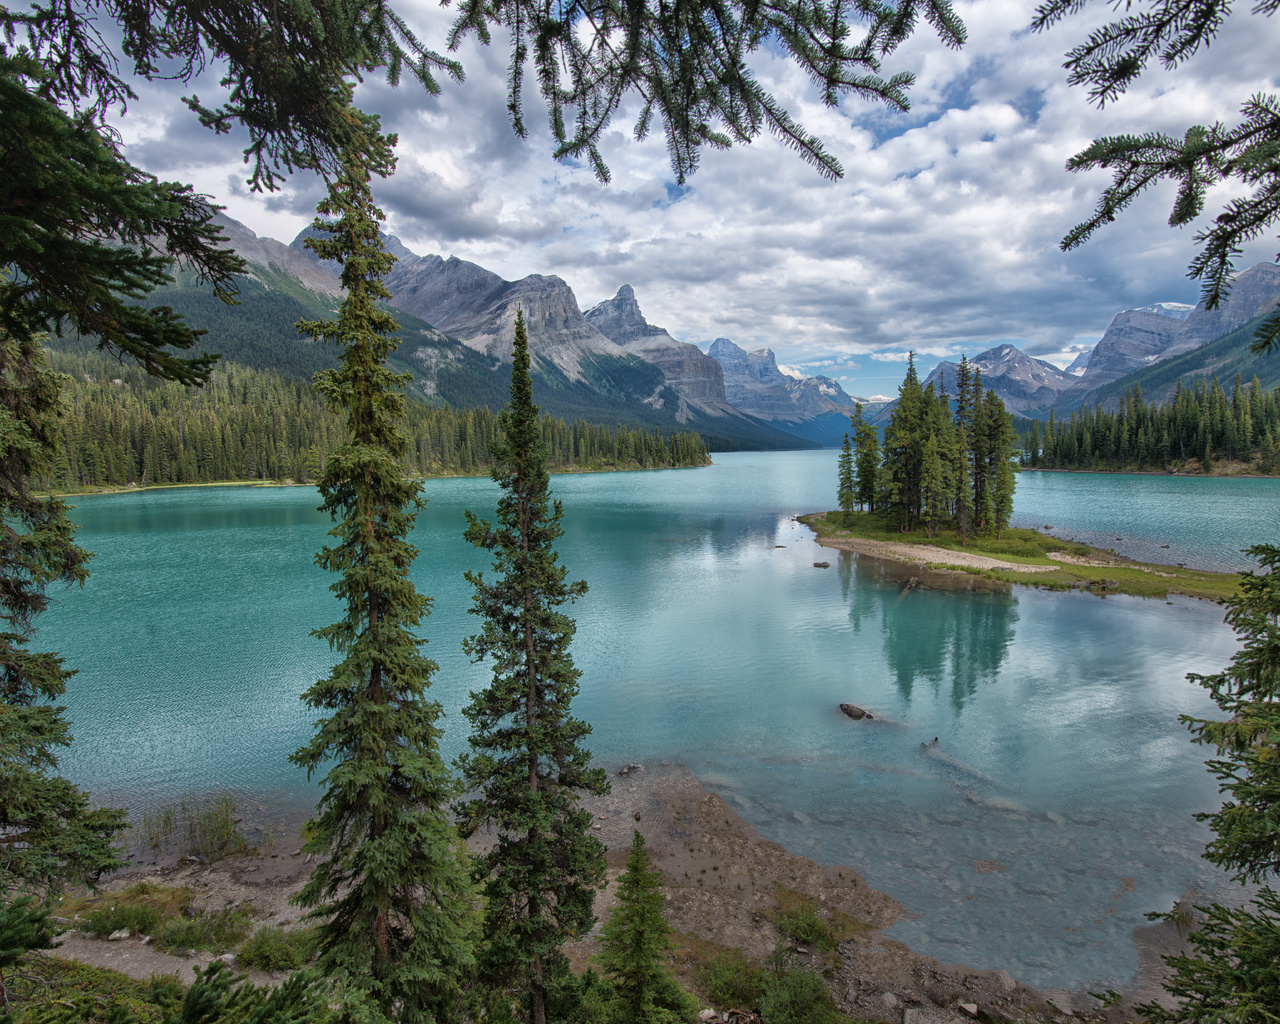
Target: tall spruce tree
[48, 832]
[846, 484]
[934, 484]
[904, 448]
[391, 892]
[963, 476]
[1233, 972]
[866, 460]
[528, 764]
[634, 945]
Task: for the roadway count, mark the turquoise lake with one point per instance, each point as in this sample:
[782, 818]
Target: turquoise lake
[709, 638]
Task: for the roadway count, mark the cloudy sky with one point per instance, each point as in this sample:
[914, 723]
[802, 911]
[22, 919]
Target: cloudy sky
[942, 236]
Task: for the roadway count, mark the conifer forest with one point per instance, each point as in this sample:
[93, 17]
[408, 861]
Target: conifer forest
[124, 427]
[1203, 422]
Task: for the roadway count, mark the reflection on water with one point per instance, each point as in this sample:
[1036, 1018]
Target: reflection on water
[926, 637]
[708, 636]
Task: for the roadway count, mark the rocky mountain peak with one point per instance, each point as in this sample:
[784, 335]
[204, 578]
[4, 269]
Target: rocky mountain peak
[1021, 381]
[620, 320]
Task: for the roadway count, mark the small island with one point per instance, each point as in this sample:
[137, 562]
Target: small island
[1017, 556]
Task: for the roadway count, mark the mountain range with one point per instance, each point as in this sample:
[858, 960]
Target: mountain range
[609, 364]
[457, 324]
[1152, 346]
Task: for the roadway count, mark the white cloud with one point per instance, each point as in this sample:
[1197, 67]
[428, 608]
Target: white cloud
[942, 237]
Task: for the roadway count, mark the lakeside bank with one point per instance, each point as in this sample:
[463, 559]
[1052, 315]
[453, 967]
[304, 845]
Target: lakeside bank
[727, 889]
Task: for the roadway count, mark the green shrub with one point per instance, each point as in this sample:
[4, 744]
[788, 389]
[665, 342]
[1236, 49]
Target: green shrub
[796, 916]
[730, 979]
[796, 995]
[140, 920]
[273, 949]
[222, 930]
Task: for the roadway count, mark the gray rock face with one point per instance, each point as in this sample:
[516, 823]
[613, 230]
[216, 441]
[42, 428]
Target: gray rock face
[1139, 337]
[1021, 381]
[814, 396]
[754, 384]
[693, 374]
[1256, 291]
[1134, 338]
[1080, 363]
[267, 252]
[478, 307]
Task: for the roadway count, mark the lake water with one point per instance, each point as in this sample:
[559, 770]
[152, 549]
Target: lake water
[709, 638]
[1203, 522]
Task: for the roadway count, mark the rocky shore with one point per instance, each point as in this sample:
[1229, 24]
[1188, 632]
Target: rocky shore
[723, 883]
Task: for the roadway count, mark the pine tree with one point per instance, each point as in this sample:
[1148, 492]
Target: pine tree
[934, 484]
[634, 944]
[1232, 974]
[904, 449]
[528, 763]
[866, 444]
[48, 832]
[1006, 481]
[391, 893]
[847, 483]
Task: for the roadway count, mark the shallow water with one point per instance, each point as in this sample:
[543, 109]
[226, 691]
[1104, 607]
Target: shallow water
[1059, 754]
[1204, 522]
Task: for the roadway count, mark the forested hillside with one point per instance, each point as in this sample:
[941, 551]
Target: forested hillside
[260, 333]
[123, 427]
[1201, 423]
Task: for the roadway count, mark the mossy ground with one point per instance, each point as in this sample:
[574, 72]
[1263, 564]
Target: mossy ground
[1113, 574]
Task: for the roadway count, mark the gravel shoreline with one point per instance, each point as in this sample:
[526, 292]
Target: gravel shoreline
[722, 883]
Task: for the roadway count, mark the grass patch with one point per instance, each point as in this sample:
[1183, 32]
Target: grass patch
[1029, 547]
[166, 913]
[196, 826]
[214, 932]
[274, 949]
[141, 908]
[797, 917]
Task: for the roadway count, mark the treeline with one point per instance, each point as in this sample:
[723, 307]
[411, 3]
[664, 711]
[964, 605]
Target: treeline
[938, 464]
[1202, 422]
[123, 427]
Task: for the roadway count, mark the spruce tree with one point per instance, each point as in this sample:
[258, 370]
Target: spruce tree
[391, 892]
[846, 483]
[866, 444]
[48, 832]
[904, 448]
[1006, 481]
[963, 476]
[934, 485]
[634, 944]
[528, 764]
[1232, 973]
